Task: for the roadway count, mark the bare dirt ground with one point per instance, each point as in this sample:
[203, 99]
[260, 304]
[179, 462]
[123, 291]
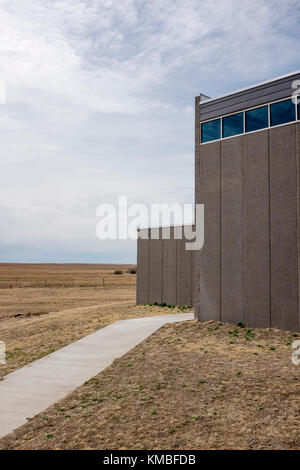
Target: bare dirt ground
[189, 386]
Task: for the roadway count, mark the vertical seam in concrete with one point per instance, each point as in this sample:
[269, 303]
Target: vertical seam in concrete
[137, 269]
[149, 259]
[270, 236]
[176, 274]
[244, 233]
[192, 278]
[297, 188]
[197, 179]
[200, 176]
[220, 215]
[162, 265]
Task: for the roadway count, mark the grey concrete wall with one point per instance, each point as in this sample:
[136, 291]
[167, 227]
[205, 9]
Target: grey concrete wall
[143, 256]
[164, 270]
[155, 270]
[232, 231]
[184, 274]
[257, 229]
[196, 258]
[169, 270]
[210, 262]
[248, 270]
[284, 228]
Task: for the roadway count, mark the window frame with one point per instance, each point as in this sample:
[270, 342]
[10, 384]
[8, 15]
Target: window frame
[297, 114]
[268, 118]
[285, 123]
[228, 116]
[220, 125]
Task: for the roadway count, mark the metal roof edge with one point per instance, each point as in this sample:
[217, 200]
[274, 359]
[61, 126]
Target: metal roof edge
[250, 87]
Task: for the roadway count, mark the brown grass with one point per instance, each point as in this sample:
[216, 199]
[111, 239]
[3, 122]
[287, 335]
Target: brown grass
[66, 275]
[34, 301]
[189, 386]
[74, 313]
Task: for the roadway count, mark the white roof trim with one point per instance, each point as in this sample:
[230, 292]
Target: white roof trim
[252, 86]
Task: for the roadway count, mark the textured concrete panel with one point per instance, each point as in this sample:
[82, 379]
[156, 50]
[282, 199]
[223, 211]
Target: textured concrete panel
[196, 254]
[209, 300]
[284, 228]
[165, 270]
[142, 281]
[257, 236]
[155, 270]
[232, 231]
[193, 278]
[298, 214]
[184, 274]
[169, 283]
[198, 149]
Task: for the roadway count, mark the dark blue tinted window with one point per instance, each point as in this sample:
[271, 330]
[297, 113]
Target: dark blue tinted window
[233, 125]
[283, 112]
[298, 101]
[257, 119]
[211, 131]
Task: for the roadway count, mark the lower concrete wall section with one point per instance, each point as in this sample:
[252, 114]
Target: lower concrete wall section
[169, 270]
[284, 228]
[143, 252]
[257, 230]
[164, 268]
[209, 291]
[232, 231]
[248, 270]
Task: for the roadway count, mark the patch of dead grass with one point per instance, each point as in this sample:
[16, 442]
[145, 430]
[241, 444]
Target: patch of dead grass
[65, 275]
[31, 337]
[189, 386]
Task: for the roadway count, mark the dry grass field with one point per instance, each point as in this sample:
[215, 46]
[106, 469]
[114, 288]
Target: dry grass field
[30, 338]
[64, 275]
[34, 301]
[67, 286]
[35, 321]
[189, 386]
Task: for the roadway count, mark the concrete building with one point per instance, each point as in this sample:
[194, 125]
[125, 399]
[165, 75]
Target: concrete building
[165, 270]
[247, 156]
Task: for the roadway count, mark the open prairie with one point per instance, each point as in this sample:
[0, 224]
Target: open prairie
[35, 321]
[37, 289]
[64, 275]
[188, 386]
[78, 299]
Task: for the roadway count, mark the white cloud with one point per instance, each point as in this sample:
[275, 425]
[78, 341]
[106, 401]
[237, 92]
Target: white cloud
[100, 101]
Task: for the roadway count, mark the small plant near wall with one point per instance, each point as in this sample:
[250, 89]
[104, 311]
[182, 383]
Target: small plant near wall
[164, 305]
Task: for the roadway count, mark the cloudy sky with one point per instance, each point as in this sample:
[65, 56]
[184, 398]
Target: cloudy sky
[99, 103]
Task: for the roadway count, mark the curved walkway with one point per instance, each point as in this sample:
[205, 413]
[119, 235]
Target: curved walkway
[30, 390]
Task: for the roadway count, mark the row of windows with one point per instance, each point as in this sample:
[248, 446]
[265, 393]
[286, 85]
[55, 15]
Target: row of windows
[270, 115]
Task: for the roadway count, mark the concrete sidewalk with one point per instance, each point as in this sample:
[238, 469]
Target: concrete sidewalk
[30, 390]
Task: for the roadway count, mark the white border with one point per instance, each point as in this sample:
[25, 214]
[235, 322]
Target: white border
[244, 112]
